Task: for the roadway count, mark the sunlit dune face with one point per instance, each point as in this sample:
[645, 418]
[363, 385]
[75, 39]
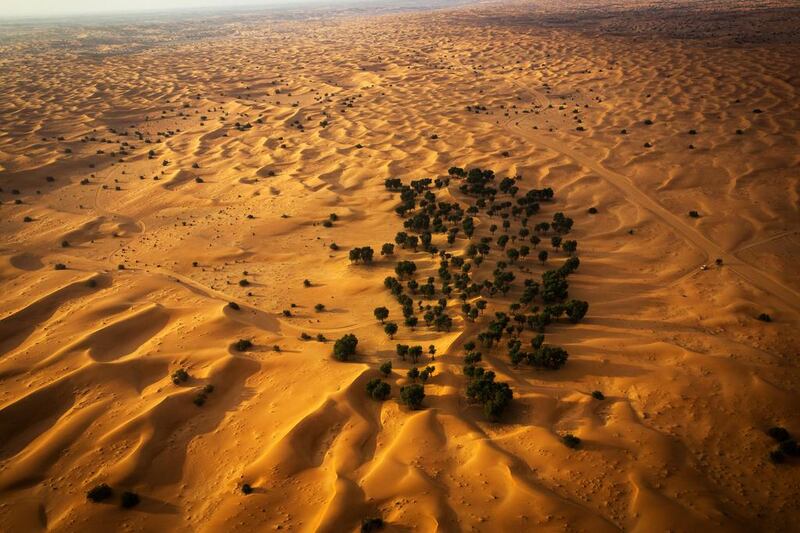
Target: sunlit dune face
[526, 266]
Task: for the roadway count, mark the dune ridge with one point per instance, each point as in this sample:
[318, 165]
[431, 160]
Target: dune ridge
[152, 174]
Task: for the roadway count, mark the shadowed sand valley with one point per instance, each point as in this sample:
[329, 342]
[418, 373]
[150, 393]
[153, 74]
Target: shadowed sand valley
[154, 171]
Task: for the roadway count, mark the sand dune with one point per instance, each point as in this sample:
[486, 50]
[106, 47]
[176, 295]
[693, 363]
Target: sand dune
[147, 182]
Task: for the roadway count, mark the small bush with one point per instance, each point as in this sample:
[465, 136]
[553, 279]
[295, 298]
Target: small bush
[764, 317]
[247, 489]
[99, 493]
[778, 433]
[592, 211]
[571, 441]
[597, 395]
[180, 376]
[694, 214]
[60, 266]
[234, 306]
[242, 345]
[371, 524]
[319, 308]
[386, 368]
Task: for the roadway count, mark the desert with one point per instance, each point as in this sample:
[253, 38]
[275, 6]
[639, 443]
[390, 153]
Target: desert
[496, 266]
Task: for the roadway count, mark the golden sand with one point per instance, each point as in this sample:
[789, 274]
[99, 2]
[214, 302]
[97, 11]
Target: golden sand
[155, 247]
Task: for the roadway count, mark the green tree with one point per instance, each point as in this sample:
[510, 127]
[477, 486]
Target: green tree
[381, 313]
[345, 347]
[390, 328]
[412, 395]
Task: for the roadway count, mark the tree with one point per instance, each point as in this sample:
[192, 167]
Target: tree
[378, 389]
[381, 313]
[387, 248]
[569, 246]
[550, 357]
[402, 351]
[576, 310]
[412, 395]
[386, 368]
[415, 352]
[555, 241]
[390, 328]
[405, 268]
[345, 347]
[413, 373]
[543, 255]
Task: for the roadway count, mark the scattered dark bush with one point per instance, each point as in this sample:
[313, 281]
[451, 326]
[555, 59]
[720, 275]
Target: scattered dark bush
[597, 395]
[180, 376]
[571, 441]
[99, 493]
[242, 345]
[371, 524]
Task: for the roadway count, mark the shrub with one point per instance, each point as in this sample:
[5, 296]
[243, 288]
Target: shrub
[319, 308]
[180, 376]
[371, 524]
[306, 283]
[413, 374]
[99, 493]
[390, 328]
[60, 266]
[242, 345]
[482, 388]
[571, 441]
[321, 338]
[243, 283]
[778, 433]
[592, 211]
[247, 489]
[694, 214]
[129, 499]
[199, 400]
[378, 389]
[597, 395]
[412, 395]
[234, 306]
[386, 368]
[764, 317]
[345, 347]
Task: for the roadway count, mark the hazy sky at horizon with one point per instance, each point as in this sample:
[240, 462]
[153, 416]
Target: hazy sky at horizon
[51, 8]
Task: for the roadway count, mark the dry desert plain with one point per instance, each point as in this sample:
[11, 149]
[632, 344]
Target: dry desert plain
[155, 171]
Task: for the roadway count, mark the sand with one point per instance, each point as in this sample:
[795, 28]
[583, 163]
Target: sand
[242, 175]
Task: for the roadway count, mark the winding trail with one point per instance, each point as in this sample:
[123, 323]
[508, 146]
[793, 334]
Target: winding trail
[757, 278]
